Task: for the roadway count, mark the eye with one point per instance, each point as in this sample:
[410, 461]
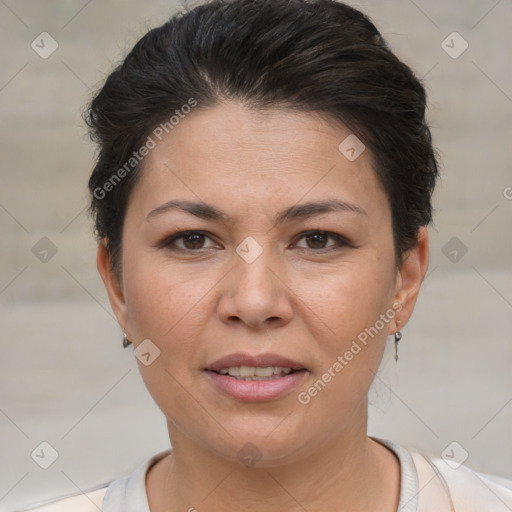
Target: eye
[317, 240]
[191, 241]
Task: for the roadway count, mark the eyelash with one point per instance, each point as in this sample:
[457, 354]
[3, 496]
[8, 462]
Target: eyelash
[342, 242]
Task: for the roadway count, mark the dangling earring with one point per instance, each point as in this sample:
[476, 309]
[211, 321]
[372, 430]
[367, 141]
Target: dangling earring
[398, 337]
[126, 341]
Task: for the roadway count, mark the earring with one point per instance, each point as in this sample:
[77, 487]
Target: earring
[126, 341]
[398, 337]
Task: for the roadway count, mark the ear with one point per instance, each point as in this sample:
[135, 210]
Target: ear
[409, 278]
[112, 284]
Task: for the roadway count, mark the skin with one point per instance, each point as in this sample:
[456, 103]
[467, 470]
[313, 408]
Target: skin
[297, 299]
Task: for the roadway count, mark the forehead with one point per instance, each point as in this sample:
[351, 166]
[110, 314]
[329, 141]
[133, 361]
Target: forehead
[230, 130]
[255, 158]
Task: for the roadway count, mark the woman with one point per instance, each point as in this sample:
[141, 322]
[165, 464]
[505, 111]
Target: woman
[261, 197]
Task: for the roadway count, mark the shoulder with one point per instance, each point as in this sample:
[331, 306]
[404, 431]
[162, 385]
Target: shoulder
[88, 502]
[459, 488]
[126, 494]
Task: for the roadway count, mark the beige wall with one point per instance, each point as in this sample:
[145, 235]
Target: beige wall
[64, 377]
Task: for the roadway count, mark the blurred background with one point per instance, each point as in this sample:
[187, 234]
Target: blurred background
[65, 379]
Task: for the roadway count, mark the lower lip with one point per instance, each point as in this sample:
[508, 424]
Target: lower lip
[256, 390]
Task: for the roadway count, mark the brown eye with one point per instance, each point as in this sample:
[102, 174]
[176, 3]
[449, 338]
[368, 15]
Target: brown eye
[193, 241]
[187, 241]
[317, 241]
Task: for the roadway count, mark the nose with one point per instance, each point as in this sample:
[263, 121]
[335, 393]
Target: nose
[256, 294]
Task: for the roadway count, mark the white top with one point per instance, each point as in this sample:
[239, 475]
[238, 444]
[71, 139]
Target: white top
[425, 485]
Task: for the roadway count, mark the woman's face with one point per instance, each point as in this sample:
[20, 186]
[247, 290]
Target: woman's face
[292, 257]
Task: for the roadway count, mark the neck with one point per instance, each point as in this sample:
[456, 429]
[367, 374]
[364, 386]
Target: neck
[351, 472]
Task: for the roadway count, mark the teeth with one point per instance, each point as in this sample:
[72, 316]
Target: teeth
[247, 371]
[256, 372]
[266, 371]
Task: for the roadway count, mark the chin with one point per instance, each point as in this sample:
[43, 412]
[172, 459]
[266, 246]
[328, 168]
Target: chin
[263, 447]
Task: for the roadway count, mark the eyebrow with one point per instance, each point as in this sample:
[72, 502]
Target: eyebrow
[209, 212]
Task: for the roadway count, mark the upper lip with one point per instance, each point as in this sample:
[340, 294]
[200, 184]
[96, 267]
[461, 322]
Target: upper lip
[261, 360]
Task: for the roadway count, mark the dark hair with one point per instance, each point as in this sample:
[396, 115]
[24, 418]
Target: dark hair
[317, 56]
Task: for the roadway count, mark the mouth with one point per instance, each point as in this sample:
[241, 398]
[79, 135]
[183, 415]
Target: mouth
[254, 367]
[255, 378]
[256, 372]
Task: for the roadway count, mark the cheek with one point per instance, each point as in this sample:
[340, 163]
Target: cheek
[169, 306]
[355, 307]
[352, 297]
[160, 297]
[165, 306]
